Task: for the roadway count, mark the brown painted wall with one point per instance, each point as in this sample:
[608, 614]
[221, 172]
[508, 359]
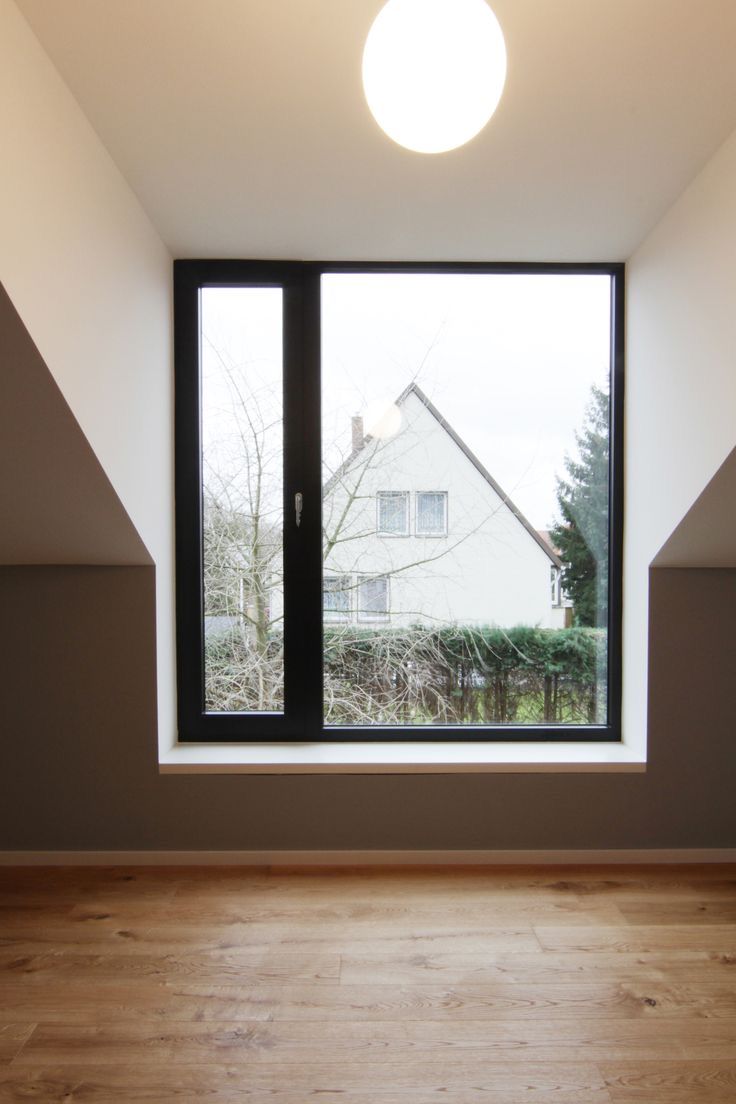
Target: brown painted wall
[78, 744]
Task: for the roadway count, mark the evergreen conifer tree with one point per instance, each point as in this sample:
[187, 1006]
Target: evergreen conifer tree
[581, 536]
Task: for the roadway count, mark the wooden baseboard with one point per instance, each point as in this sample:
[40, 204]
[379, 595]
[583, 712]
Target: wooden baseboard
[628, 856]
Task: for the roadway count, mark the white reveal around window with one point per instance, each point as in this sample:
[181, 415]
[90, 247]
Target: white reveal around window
[431, 518]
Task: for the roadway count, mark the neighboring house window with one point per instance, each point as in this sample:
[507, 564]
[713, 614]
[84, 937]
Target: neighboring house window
[305, 392]
[336, 597]
[373, 598]
[431, 513]
[392, 508]
[555, 585]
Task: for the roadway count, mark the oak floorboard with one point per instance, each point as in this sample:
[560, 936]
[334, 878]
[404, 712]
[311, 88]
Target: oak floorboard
[296, 1042]
[467, 1073]
[339, 937]
[216, 968]
[71, 1002]
[640, 939]
[692, 1082]
[68, 961]
[80, 883]
[233, 1085]
[509, 1002]
[467, 909]
[665, 913]
[12, 1038]
[119, 1002]
[573, 985]
[547, 967]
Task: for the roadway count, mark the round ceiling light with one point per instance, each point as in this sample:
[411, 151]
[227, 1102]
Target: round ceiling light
[434, 71]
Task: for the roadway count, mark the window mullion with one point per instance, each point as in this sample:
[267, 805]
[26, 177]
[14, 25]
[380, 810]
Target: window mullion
[303, 542]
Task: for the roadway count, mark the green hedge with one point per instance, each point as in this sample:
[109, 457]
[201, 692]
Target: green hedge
[451, 675]
[464, 675]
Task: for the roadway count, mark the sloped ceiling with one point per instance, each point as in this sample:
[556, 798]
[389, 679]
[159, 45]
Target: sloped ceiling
[706, 536]
[56, 503]
[242, 127]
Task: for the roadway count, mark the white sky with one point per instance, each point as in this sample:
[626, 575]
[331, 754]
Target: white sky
[508, 360]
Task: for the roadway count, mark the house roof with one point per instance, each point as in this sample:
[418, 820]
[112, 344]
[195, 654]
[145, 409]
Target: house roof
[414, 389]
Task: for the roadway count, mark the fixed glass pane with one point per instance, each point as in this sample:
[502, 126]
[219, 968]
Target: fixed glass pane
[470, 414]
[242, 499]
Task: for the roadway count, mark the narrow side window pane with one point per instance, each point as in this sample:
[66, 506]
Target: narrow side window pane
[242, 499]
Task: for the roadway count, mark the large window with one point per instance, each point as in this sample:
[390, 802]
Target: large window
[325, 410]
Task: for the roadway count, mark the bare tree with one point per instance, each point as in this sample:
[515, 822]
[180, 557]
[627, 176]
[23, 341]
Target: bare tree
[243, 569]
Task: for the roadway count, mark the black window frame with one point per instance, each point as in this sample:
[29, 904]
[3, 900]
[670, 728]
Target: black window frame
[302, 718]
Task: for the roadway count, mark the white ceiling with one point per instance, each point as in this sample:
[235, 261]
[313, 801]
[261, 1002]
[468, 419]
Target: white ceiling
[242, 128]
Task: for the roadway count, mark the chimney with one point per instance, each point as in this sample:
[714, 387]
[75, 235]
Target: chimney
[358, 438]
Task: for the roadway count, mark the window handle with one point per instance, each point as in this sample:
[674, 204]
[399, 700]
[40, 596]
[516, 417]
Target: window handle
[298, 504]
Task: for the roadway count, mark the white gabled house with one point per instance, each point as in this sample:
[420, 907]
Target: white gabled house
[417, 531]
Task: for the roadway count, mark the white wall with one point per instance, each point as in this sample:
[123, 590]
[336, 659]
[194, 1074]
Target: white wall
[91, 280]
[681, 386]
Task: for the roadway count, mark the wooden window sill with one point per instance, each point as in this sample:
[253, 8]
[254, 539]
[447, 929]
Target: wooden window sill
[397, 758]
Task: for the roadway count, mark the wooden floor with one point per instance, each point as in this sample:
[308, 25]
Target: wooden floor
[405, 987]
